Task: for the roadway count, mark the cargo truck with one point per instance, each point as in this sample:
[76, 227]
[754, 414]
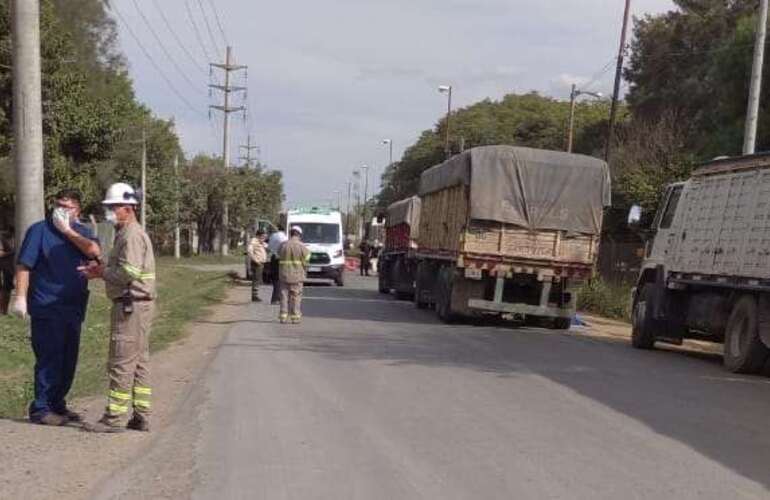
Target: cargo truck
[706, 273]
[509, 231]
[397, 264]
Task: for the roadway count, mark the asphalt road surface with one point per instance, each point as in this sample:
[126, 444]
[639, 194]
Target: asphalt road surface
[372, 399]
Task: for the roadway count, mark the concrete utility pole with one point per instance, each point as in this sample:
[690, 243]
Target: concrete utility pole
[27, 115]
[347, 211]
[448, 90]
[143, 206]
[365, 168]
[177, 232]
[226, 109]
[574, 94]
[249, 148]
[755, 90]
[618, 77]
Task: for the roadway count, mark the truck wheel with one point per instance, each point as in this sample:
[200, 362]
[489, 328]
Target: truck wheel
[562, 323]
[643, 326]
[444, 296]
[382, 287]
[744, 351]
[419, 287]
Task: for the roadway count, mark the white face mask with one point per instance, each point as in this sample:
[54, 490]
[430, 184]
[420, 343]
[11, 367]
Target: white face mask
[110, 216]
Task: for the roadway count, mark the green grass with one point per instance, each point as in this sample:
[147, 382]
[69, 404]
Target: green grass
[610, 301]
[183, 294]
[236, 257]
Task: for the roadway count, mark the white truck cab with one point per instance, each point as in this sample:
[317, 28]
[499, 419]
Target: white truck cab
[322, 232]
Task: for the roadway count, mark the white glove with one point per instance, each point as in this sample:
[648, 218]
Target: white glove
[61, 219]
[19, 307]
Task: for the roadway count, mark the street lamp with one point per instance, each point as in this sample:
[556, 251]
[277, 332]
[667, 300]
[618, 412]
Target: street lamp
[389, 143]
[574, 94]
[447, 89]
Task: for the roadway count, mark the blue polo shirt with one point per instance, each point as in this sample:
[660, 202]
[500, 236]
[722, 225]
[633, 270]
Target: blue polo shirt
[56, 286]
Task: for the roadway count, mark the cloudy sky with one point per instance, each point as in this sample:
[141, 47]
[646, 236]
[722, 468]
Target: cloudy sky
[328, 80]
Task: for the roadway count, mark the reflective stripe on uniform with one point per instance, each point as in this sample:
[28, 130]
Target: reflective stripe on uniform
[122, 396]
[136, 273]
[141, 404]
[292, 262]
[117, 409]
[143, 390]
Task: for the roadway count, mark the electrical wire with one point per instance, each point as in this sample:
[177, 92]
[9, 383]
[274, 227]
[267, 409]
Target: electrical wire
[219, 22]
[191, 18]
[157, 67]
[208, 27]
[178, 40]
[164, 49]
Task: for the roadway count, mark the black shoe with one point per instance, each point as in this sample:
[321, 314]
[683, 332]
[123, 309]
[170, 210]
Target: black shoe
[256, 299]
[138, 423]
[50, 418]
[71, 416]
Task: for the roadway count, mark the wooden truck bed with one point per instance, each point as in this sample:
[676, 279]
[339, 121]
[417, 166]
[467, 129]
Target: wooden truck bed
[445, 231]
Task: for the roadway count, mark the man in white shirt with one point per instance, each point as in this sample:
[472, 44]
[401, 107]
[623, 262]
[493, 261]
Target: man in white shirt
[257, 251]
[277, 239]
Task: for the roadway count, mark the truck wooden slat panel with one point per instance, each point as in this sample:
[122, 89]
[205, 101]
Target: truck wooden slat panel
[443, 219]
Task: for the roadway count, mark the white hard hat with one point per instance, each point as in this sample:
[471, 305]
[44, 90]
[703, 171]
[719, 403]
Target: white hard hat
[297, 228]
[121, 194]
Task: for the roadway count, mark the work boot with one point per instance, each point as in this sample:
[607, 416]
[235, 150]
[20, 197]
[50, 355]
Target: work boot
[256, 299]
[283, 319]
[138, 423]
[296, 321]
[71, 416]
[51, 418]
[102, 427]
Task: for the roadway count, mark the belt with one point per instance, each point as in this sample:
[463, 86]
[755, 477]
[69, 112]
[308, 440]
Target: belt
[133, 299]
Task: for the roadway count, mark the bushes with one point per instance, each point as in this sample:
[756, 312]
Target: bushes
[608, 300]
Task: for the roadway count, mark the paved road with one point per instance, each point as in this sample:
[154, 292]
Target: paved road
[373, 399]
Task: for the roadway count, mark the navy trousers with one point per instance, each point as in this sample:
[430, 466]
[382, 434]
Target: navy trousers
[56, 342]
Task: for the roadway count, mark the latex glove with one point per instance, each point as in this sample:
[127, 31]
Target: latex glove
[62, 220]
[19, 307]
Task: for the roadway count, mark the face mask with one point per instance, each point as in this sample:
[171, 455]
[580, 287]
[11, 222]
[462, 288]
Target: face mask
[110, 216]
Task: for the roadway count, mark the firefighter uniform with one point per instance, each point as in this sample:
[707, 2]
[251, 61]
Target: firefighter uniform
[294, 257]
[130, 284]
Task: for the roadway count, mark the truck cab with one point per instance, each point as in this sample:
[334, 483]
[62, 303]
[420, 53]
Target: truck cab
[322, 233]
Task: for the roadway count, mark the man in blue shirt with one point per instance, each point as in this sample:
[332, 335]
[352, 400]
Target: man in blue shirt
[54, 294]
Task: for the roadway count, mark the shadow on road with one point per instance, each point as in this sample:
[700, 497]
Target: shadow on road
[683, 395]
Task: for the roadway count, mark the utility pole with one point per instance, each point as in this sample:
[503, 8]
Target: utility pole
[226, 109]
[249, 148]
[755, 90]
[618, 77]
[365, 168]
[448, 90]
[571, 126]
[27, 115]
[347, 211]
[143, 206]
[177, 232]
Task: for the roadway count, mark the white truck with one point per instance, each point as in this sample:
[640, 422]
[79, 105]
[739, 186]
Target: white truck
[706, 273]
[322, 233]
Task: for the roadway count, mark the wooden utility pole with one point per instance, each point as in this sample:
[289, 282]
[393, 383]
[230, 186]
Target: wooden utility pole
[143, 206]
[618, 78]
[177, 235]
[755, 89]
[27, 115]
[226, 109]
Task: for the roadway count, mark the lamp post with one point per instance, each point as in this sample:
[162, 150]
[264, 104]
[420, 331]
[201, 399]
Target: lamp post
[447, 89]
[574, 94]
[389, 143]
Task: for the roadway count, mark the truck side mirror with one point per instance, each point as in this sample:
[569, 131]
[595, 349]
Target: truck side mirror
[634, 216]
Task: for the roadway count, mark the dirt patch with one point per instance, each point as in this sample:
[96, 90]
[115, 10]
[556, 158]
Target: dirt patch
[66, 463]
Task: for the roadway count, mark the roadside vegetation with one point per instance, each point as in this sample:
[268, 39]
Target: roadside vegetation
[608, 300]
[184, 295]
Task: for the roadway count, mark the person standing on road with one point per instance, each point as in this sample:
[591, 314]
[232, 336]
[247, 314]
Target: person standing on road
[129, 279]
[365, 250]
[277, 239]
[294, 257]
[258, 254]
[6, 269]
[51, 291]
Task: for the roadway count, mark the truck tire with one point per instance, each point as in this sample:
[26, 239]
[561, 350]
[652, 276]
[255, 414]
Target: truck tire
[643, 325]
[382, 286]
[562, 323]
[744, 351]
[444, 295]
[419, 287]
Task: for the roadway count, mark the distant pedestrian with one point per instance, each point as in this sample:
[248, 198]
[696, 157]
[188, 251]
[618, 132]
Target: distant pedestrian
[6, 269]
[294, 257]
[365, 257]
[129, 279]
[51, 291]
[257, 251]
[277, 239]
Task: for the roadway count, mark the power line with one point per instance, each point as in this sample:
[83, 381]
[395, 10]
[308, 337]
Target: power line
[208, 27]
[191, 18]
[178, 40]
[157, 67]
[219, 22]
[163, 47]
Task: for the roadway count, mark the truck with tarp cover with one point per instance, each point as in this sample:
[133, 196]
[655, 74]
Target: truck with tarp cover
[509, 231]
[397, 264]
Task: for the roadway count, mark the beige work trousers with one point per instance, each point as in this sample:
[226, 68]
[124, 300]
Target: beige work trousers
[128, 365]
[291, 301]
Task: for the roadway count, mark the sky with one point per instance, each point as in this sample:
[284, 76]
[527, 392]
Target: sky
[328, 80]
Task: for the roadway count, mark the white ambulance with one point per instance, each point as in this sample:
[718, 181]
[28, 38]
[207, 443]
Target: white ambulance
[322, 232]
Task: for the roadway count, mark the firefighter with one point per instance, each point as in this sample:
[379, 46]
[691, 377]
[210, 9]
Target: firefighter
[257, 251]
[294, 257]
[129, 278]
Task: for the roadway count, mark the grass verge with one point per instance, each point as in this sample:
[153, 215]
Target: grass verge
[183, 294]
[611, 301]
